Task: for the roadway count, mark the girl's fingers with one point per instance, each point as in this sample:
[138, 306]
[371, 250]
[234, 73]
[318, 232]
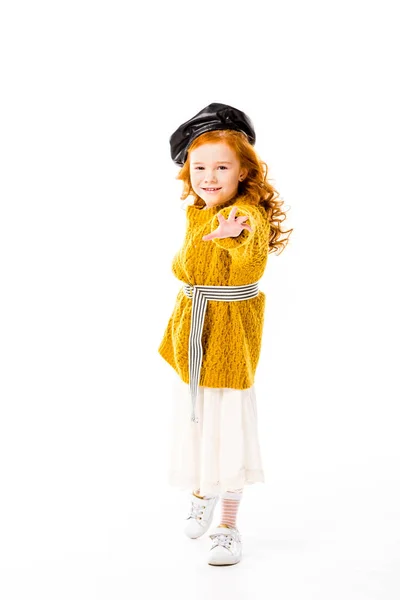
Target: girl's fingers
[231, 219]
[231, 216]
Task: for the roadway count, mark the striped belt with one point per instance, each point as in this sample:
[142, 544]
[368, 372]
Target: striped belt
[200, 295]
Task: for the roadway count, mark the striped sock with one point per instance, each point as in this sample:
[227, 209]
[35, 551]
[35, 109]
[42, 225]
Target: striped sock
[230, 504]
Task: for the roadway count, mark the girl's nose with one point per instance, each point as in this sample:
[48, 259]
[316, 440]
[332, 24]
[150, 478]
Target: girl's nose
[209, 179]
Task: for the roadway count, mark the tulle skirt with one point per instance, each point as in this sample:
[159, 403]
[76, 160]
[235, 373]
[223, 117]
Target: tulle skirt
[221, 452]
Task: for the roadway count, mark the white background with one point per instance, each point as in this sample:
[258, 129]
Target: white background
[90, 221]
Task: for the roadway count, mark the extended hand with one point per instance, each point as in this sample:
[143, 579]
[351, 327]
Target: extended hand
[230, 227]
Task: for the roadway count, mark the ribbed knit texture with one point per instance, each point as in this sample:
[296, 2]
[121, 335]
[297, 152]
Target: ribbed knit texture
[232, 331]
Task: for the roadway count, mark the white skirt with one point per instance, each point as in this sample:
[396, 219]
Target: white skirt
[221, 452]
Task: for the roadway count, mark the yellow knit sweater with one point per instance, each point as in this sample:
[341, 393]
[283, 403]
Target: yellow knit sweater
[232, 331]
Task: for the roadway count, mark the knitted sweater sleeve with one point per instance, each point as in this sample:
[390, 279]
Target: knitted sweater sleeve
[257, 221]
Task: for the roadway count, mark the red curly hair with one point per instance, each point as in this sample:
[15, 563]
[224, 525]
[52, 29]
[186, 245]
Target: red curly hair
[255, 186]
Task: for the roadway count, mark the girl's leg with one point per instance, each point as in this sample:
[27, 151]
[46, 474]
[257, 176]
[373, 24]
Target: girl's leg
[230, 501]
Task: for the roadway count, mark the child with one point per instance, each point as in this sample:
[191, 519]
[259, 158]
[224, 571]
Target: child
[213, 337]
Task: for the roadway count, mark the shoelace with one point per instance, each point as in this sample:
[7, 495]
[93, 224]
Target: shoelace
[196, 510]
[222, 539]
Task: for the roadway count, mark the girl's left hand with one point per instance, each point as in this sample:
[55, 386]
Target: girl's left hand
[230, 227]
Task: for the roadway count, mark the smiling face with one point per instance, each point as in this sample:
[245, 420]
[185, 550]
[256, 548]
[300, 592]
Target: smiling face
[215, 173]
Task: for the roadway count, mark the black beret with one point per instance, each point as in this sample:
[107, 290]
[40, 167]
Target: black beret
[213, 116]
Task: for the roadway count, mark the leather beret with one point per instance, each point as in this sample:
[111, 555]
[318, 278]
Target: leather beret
[213, 116]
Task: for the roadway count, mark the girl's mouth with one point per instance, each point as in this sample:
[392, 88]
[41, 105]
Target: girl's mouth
[211, 190]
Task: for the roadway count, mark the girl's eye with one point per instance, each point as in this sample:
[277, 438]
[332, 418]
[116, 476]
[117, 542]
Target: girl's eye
[220, 167]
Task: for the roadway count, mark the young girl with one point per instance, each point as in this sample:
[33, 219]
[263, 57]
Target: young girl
[213, 337]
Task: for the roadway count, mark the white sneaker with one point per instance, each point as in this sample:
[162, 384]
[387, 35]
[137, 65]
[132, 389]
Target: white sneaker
[227, 546]
[200, 515]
